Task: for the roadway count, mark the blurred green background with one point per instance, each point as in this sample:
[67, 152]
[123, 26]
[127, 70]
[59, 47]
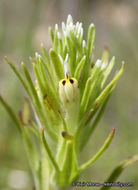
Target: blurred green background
[23, 26]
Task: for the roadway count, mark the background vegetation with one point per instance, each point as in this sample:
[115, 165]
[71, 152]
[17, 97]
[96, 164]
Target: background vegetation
[23, 26]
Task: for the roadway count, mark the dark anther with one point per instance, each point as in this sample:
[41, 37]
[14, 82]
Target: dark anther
[71, 81]
[30, 121]
[96, 104]
[59, 111]
[92, 65]
[45, 96]
[88, 112]
[63, 134]
[20, 116]
[63, 82]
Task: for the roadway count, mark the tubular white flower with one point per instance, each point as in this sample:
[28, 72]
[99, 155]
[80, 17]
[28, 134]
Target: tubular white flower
[68, 90]
[76, 29]
[61, 59]
[80, 28]
[63, 26]
[98, 63]
[56, 26]
[66, 58]
[101, 65]
[58, 35]
[83, 43]
[66, 68]
[69, 19]
[37, 55]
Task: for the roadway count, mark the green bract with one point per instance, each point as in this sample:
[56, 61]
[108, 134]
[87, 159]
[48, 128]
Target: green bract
[68, 98]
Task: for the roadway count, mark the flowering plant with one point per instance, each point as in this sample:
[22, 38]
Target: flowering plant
[68, 100]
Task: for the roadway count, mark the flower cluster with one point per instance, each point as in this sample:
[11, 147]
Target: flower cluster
[67, 97]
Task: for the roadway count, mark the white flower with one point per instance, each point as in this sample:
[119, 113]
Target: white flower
[98, 63]
[83, 43]
[66, 68]
[70, 27]
[68, 90]
[58, 35]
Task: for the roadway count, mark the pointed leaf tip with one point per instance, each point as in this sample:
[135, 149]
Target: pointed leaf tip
[22, 63]
[20, 116]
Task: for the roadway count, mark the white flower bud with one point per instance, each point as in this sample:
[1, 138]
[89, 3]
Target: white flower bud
[61, 59]
[101, 65]
[63, 26]
[98, 63]
[66, 68]
[68, 90]
[83, 43]
[69, 19]
[58, 35]
[37, 55]
[56, 26]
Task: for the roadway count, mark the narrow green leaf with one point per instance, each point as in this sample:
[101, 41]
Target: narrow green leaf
[90, 84]
[48, 95]
[90, 41]
[18, 75]
[45, 54]
[49, 151]
[60, 156]
[108, 89]
[100, 152]
[11, 113]
[39, 76]
[26, 111]
[71, 50]
[89, 130]
[32, 156]
[31, 85]
[51, 35]
[47, 68]
[95, 88]
[79, 67]
[60, 47]
[56, 41]
[86, 94]
[69, 168]
[38, 105]
[67, 165]
[84, 47]
[34, 132]
[118, 170]
[47, 87]
[105, 55]
[96, 78]
[109, 86]
[57, 64]
[108, 71]
[75, 42]
[63, 121]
